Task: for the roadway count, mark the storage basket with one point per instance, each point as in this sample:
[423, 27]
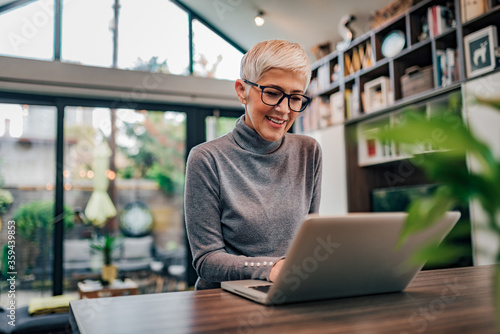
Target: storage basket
[416, 80]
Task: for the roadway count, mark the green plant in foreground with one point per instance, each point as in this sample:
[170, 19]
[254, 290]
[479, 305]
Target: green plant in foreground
[452, 141]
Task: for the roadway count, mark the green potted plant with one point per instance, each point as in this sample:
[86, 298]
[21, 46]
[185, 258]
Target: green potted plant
[106, 245]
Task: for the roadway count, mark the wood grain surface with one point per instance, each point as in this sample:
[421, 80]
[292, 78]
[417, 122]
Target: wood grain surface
[456, 300]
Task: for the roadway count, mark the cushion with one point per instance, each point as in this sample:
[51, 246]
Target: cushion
[137, 248]
[41, 324]
[76, 250]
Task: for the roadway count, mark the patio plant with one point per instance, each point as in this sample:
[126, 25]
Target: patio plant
[35, 223]
[106, 245]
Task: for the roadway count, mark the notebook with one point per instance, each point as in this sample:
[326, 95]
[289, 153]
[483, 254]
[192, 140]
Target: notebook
[346, 255]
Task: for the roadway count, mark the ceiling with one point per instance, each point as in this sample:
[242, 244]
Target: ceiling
[306, 22]
[309, 22]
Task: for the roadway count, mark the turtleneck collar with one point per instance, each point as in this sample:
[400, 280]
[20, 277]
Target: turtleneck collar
[248, 139]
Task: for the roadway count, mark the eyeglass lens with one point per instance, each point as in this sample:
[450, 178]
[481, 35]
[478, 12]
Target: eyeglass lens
[272, 97]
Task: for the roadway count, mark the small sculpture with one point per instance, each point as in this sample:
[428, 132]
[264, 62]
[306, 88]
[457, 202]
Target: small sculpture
[345, 31]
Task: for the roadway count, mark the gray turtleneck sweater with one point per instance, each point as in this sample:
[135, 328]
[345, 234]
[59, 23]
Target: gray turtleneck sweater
[245, 197]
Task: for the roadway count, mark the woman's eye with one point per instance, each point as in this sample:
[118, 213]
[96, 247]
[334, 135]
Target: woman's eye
[272, 93]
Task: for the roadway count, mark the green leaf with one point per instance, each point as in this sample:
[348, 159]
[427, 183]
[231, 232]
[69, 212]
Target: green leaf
[437, 255]
[425, 212]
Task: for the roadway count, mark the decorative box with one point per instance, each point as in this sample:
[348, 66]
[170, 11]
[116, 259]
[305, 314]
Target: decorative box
[416, 80]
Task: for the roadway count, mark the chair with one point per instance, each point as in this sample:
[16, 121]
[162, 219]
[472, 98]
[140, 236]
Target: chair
[5, 328]
[136, 254]
[173, 269]
[77, 255]
[41, 324]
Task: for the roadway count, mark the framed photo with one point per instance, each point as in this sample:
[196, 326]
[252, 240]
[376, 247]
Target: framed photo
[376, 94]
[480, 49]
[472, 9]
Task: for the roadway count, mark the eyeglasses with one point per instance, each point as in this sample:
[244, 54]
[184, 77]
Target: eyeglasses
[273, 96]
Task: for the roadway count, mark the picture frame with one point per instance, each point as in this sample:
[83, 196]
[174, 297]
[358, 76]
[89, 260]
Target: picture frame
[472, 9]
[376, 94]
[480, 49]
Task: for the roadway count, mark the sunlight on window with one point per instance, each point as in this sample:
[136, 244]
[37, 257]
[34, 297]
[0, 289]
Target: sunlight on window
[153, 40]
[148, 40]
[11, 120]
[86, 32]
[213, 56]
[101, 121]
[28, 31]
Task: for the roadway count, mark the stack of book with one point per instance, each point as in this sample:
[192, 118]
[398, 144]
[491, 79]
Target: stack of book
[440, 18]
[447, 67]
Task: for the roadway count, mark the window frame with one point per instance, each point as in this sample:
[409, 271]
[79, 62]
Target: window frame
[195, 134]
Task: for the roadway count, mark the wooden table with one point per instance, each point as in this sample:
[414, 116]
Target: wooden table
[438, 301]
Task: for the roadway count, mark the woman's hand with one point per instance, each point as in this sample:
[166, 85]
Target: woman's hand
[275, 270]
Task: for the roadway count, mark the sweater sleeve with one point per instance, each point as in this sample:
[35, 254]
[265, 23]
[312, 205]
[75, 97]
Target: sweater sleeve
[318, 168]
[203, 210]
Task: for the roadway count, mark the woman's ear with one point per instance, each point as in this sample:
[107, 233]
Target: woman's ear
[239, 86]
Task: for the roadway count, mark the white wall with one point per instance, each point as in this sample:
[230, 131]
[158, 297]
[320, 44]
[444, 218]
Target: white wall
[485, 124]
[334, 184]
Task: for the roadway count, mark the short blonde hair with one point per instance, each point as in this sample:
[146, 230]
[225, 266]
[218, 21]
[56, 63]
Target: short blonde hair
[275, 54]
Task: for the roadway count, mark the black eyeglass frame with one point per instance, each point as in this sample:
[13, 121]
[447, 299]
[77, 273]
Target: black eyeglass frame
[288, 96]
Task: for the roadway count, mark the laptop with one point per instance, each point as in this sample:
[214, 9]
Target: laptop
[343, 256]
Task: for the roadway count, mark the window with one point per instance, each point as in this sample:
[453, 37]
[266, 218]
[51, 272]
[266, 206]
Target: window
[213, 56]
[153, 36]
[87, 37]
[148, 183]
[28, 31]
[27, 170]
[217, 126]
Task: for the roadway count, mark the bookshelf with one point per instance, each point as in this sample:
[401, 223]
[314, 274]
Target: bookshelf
[369, 83]
[433, 34]
[372, 88]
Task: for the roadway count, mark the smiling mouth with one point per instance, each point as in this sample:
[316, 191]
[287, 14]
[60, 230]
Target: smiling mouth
[275, 121]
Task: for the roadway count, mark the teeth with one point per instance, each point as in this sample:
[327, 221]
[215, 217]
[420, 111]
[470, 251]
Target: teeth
[275, 121]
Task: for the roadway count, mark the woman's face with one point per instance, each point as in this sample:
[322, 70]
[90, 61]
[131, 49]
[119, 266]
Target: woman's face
[270, 122]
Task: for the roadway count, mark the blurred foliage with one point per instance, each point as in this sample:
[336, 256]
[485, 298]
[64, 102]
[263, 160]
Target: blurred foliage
[6, 200]
[152, 65]
[33, 217]
[451, 140]
[158, 151]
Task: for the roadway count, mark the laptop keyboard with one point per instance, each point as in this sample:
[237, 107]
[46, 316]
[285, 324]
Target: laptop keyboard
[262, 288]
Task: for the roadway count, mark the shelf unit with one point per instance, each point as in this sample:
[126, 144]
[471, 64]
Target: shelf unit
[336, 73]
[372, 166]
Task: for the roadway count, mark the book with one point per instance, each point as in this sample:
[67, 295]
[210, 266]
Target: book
[347, 65]
[368, 58]
[447, 71]
[355, 103]
[356, 62]
[337, 108]
[348, 103]
[440, 57]
[439, 19]
[361, 51]
[324, 76]
[450, 64]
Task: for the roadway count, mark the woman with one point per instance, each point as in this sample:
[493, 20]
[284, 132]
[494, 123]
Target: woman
[248, 191]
